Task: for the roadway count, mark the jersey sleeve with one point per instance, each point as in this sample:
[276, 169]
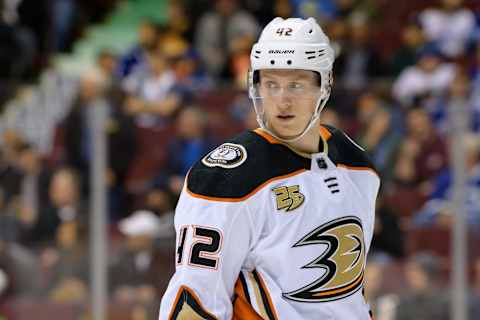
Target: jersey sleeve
[212, 240]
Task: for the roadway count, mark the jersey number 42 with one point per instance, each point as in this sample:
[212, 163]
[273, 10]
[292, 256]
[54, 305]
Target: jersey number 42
[206, 244]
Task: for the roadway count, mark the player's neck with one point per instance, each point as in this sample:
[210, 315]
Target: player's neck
[309, 143]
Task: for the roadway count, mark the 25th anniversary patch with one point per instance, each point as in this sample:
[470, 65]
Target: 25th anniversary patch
[228, 155]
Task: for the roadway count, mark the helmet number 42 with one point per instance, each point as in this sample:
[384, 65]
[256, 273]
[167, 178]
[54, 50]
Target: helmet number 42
[284, 31]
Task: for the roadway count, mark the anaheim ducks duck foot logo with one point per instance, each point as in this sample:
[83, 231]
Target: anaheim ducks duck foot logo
[343, 261]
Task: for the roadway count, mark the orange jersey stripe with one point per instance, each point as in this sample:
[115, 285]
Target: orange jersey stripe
[242, 310]
[360, 279]
[263, 287]
[180, 293]
[326, 135]
[266, 136]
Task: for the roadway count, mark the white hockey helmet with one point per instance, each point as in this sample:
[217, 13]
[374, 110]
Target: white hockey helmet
[292, 43]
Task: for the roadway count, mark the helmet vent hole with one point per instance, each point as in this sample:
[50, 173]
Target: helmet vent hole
[289, 62]
[272, 62]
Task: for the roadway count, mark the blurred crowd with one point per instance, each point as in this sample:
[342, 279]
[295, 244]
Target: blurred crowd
[31, 32]
[404, 72]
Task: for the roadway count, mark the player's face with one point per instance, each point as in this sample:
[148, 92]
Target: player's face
[289, 98]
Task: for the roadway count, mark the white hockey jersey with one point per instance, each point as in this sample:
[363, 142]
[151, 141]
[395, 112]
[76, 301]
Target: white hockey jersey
[265, 233]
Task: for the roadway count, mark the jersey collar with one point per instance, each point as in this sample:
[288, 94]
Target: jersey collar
[325, 135]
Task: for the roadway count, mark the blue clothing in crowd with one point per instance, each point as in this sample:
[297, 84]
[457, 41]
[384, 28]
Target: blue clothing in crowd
[442, 196]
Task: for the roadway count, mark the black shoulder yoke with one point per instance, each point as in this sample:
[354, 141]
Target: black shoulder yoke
[264, 161]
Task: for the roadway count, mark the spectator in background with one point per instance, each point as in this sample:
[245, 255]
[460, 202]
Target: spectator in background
[421, 156]
[282, 9]
[189, 145]
[195, 9]
[427, 146]
[24, 182]
[151, 98]
[63, 20]
[358, 61]
[10, 139]
[11, 228]
[139, 273]
[423, 299]
[382, 304]
[172, 44]
[339, 31]
[439, 209]
[17, 270]
[160, 202]
[148, 33]
[380, 130]
[343, 98]
[77, 122]
[35, 179]
[17, 43]
[264, 11]
[429, 76]
[458, 98]
[412, 41]
[121, 148]
[65, 205]
[326, 10]
[240, 60]
[216, 34]
[347, 8]
[64, 266]
[403, 191]
[10, 173]
[108, 65]
[189, 76]
[33, 189]
[321, 10]
[120, 138]
[183, 60]
[450, 26]
[178, 21]
[36, 17]
[388, 235]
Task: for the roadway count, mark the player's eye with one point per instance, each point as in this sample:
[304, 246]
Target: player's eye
[297, 86]
[271, 85]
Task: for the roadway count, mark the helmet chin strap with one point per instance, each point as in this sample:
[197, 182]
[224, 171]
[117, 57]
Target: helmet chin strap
[313, 120]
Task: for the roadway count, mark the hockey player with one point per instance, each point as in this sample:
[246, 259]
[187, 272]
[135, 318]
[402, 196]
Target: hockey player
[276, 223]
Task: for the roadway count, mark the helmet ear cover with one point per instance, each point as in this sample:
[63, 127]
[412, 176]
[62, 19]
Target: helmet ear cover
[256, 77]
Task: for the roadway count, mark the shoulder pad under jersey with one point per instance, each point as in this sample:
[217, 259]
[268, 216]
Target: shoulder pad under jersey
[241, 166]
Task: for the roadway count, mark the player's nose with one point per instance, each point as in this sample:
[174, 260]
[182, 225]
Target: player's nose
[285, 102]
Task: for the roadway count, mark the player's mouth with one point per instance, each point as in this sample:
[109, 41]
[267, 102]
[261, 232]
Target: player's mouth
[285, 117]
